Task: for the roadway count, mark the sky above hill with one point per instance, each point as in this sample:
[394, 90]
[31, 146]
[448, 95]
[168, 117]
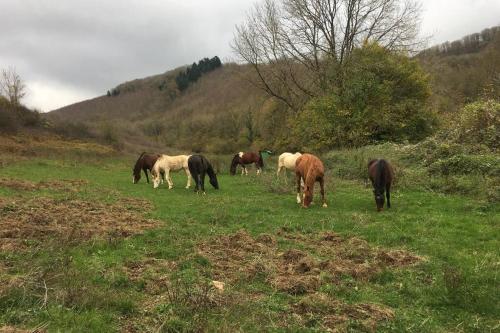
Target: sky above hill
[68, 51]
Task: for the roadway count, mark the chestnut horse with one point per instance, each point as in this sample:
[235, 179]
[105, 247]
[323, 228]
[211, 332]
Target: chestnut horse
[145, 162]
[381, 174]
[309, 169]
[246, 158]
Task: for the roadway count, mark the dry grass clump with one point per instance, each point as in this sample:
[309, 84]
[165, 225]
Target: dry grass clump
[302, 270]
[67, 221]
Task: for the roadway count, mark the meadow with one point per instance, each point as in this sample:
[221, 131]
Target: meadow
[90, 251]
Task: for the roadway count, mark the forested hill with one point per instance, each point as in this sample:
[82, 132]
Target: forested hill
[211, 107]
[464, 70]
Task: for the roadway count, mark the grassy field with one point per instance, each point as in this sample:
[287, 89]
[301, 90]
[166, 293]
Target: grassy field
[99, 253]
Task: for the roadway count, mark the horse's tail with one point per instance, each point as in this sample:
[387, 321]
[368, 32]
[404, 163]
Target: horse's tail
[380, 174]
[234, 163]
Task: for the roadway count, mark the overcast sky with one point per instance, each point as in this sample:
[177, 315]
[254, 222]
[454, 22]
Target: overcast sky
[70, 50]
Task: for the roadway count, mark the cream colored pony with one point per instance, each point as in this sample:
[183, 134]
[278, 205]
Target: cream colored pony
[287, 161]
[165, 164]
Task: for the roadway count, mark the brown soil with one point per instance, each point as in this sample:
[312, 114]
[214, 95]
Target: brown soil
[24, 185]
[300, 271]
[37, 220]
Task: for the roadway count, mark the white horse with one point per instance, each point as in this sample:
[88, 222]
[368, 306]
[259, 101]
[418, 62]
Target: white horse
[287, 161]
[165, 164]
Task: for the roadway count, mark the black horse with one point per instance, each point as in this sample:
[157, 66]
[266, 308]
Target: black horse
[198, 165]
[381, 174]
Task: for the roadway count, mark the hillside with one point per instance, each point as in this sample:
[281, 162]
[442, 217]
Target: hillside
[223, 113]
[153, 109]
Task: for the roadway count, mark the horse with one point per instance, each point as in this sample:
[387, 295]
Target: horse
[309, 169]
[287, 161]
[381, 174]
[198, 165]
[166, 163]
[247, 158]
[144, 162]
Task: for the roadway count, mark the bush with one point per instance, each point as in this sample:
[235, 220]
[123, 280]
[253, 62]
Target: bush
[467, 164]
[478, 123]
[383, 97]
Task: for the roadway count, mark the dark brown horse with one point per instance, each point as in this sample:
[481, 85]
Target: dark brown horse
[246, 158]
[145, 162]
[381, 174]
[309, 169]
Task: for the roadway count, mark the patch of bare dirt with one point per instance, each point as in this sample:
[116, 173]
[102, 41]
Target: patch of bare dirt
[24, 221]
[314, 261]
[58, 185]
[298, 270]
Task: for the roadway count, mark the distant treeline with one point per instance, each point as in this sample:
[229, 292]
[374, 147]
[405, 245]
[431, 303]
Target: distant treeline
[468, 44]
[194, 72]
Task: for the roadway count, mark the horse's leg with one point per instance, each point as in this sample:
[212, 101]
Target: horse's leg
[388, 194]
[188, 174]
[146, 173]
[202, 180]
[242, 169]
[169, 180]
[279, 170]
[299, 178]
[246, 171]
[322, 186]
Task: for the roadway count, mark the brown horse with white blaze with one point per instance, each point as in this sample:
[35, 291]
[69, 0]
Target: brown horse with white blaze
[381, 175]
[246, 158]
[310, 170]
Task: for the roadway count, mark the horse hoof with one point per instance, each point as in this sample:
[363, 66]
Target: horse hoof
[204, 193]
[325, 205]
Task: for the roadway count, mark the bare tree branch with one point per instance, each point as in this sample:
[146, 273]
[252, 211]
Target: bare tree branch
[292, 44]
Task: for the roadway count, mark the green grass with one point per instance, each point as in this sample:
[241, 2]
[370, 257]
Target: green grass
[455, 289]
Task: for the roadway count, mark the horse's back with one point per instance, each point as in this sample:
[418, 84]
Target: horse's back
[288, 160]
[173, 162]
[386, 170]
[308, 162]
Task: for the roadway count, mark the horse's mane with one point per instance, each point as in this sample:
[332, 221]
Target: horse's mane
[138, 164]
[380, 174]
[210, 169]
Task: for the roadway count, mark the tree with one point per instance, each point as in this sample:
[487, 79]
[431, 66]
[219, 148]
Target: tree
[11, 86]
[385, 99]
[295, 45]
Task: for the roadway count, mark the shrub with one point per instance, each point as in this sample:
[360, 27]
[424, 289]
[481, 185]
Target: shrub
[383, 97]
[478, 123]
[467, 164]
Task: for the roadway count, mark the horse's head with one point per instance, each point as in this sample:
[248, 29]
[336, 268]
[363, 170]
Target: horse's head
[156, 178]
[308, 196]
[379, 199]
[136, 176]
[214, 182]
[234, 164]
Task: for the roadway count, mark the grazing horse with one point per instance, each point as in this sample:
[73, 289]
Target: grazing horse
[247, 158]
[145, 162]
[309, 169]
[381, 174]
[166, 163]
[287, 161]
[198, 166]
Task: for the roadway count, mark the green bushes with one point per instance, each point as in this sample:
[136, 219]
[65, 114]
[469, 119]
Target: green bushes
[382, 97]
[478, 123]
